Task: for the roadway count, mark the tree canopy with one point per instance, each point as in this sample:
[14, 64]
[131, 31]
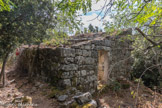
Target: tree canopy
[31, 21]
[5, 5]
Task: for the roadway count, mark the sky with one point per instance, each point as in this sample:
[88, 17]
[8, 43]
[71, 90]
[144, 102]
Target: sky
[90, 17]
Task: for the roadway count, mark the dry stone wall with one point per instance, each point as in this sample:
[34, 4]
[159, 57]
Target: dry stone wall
[77, 65]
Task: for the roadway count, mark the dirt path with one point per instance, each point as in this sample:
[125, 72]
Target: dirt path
[21, 87]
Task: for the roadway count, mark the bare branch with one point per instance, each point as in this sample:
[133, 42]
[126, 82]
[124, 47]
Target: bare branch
[138, 12]
[152, 42]
[155, 35]
[152, 46]
[141, 77]
[100, 11]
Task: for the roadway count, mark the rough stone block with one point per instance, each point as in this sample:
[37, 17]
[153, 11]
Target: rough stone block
[83, 72]
[86, 53]
[87, 67]
[79, 52]
[94, 54]
[68, 60]
[99, 47]
[101, 42]
[81, 46]
[107, 43]
[69, 67]
[88, 61]
[84, 98]
[87, 47]
[91, 72]
[79, 59]
[96, 42]
[66, 83]
[93, 78]
[68, 52]
[66, 75]
[93, 46]
[62, 98]
[106, 48]
[91, 84]
[75, 73]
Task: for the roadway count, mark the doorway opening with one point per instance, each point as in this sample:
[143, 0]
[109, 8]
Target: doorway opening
[103, 67]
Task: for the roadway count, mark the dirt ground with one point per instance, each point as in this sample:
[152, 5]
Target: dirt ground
[39, 92]
[128, 98]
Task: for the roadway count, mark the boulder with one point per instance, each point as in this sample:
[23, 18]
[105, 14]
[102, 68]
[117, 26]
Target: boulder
[83, 98]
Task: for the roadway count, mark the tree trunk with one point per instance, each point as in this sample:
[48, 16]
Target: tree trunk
[3, 74]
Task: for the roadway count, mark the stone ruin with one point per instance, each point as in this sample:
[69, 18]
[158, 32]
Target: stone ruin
[81, 63]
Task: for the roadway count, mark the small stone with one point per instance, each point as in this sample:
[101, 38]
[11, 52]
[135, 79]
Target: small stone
[62, 98]
[41, 86]
[15, 95]
[27, 99]
[9, 95]
[33, 89]
[37, 84]
[145, 95]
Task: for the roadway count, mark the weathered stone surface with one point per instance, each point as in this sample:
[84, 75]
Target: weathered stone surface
[99, 47]
[66, 75]
[93, 78]
[87, 67]
[88, 61]
[83, 99]
[106, 48]
[83, 72]
[87, 47]
[75, 73]
[79, 52]
[91, 72]
[96, 42]
[79, 59]
[94, 54]
[66, 83]
[67, 104]
[93, 90]
[86, 53]
[62, 98]
[107, 43]
[69, 67]
[93, 46]
[68, 60]
[68, 52]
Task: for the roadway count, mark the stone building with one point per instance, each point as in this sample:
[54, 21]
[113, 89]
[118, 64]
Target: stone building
[81, 63]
